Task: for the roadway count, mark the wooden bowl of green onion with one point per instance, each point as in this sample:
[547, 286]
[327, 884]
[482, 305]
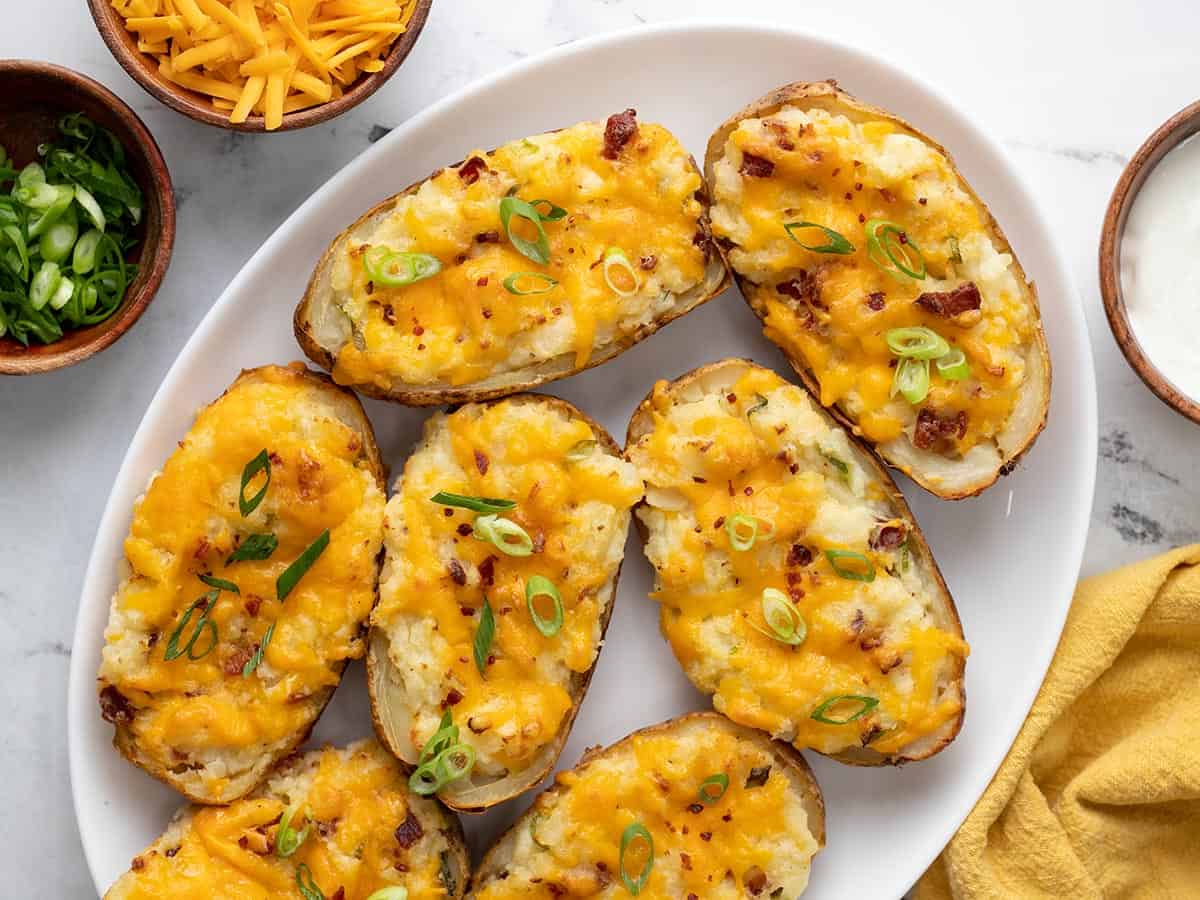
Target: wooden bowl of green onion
[87, 217]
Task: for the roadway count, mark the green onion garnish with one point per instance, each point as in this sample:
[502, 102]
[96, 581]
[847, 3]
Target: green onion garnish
[713, 788]
[890, 249]
[388, 268]
[742, 530]
[616, 262]
[260, 463]
[253, 662]
[838, 463]
[254, 547]
[288, 839]
[446, 735]
[834, 242]
[865, 705]
[308, 887]
[203, 624]
[864, 569]
[484, 634]
[293, 573]
[580, 451]
[543, 283]
[760, 404]
[475, 504]
[452, 761]
[785, 623]
[911, 380]
[504, 534]
[390, 893]
[553, 215]
[220, 584]
[916, 342]
[634, 833]
[538, 250]
[541, 586]
[953, 366]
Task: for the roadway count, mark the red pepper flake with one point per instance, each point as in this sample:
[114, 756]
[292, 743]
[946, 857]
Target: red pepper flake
[922, 200]
[481, 462]
[487, 571]
[875, 300]
[487, 313]
[747, 490]
[418, 330]
[487, 237]
[409, 831]
[448, 512]
[457, 573]
[420, 346]
[470, 171]
[453, 697]
[482, 282]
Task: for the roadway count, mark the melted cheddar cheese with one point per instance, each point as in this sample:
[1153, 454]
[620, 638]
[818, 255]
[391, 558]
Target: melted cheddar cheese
[437, 574]
[358, 802]
[461, 325]
[841, 174]
[202, 718]
[755, 840]
[784, 463]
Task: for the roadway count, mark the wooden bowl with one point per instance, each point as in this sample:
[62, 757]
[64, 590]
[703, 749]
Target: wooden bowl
[1169, 135]
[33, 95]
[144, 70]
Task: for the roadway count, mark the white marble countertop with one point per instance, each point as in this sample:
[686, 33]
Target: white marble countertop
[1069, 88]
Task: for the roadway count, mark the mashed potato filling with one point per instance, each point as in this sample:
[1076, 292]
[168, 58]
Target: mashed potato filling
[831, 311]
[761, 449]
[199, 711]
[573, 499]
[358, 803]
[754, 840]
[462, 324]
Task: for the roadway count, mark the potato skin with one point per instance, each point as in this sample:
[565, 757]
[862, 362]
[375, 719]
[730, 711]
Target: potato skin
[123, 737]
[641, 423]
[377, 662]
[827, 95]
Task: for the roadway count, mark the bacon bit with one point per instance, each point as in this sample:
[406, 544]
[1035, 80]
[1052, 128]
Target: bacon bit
[858, 185]
[389, 314]
[796, 593]
[556, 889]
[418, 330]
[933, 429]
[487, 313]
[648, 262]
[236, 661]
[685, 861]
[889, 197]
[748, 491]
[339, 894]
[409, 831]
[481, 462]
[137, 864]
[799, 555]
[420, 346]
[487, 571]
[464, 529]
[251, 604]
[718, 522]
[953, 303]
[755, 880]
[488, 237]
[618, 131]
[470, 171]
[890, 537]
[453, 698]
[794, 468]
[732, 492]
[875, 300]
[201, 549]
[275, 458]
[308, 479]
[922, 200]
[861, 218]
[539, 542]
[731, 397]
[756, 167]
[457, 575]
[804, 288]
[482, 282]
[706, 835]
[695, 808]
[115, 706]
[848, 196]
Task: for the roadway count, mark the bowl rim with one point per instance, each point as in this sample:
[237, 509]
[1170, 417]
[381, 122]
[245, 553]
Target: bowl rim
[155, 267]
[184, 101]
[1174, 131]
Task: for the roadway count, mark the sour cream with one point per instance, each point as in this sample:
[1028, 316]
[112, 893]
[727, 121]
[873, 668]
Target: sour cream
[1160, 266]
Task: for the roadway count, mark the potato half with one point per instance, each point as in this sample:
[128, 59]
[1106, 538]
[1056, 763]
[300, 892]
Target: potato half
[842, 224]
[795, 585]
[251, 567]
[729, 814]
[363, 831]
[608, 241]
[501, 637]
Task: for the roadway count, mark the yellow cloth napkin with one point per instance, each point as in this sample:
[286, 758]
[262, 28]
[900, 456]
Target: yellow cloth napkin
[1099, 796]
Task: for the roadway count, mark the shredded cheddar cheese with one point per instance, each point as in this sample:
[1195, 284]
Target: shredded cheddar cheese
[266, 57]
[711, 458]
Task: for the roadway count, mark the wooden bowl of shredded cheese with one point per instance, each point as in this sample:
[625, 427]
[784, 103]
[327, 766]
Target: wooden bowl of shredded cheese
[260, 65]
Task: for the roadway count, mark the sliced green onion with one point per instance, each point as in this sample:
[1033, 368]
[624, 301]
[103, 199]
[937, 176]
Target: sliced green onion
[953, 366]
[838, 463]
[288, 839]
[390, 893]
[864, 570]
[553, 215]
[91, 207]
[890, 248]
[388, 268]
[63, 293]
[636, 832]
[475, 504]
[537, 250]
[254, 547]
[911, 380]
[760, 404]
[503, 534]
[742, 530]
[834, 242]
[220, 584]
[581, 451]
[446, 735]
[256, 660]
[293, 573]
[45, 283]
[615, 261]
[205, 603]
[308, 887]
[545, 283]
[865, 705]
[260, 463]
[59, 239]
[455, 762]
[916, 342]
[785, 623]
[713, 788]
[485, 633]
[541, 586]
[30, 176]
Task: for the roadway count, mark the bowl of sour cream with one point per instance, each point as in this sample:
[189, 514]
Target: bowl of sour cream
[1150, 262]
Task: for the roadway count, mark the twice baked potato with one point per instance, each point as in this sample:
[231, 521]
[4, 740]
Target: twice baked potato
[251, 567]
[883, 277]
[518, 266]
[795, 585]
[334, 823]
[695, 807]
[504, 538]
